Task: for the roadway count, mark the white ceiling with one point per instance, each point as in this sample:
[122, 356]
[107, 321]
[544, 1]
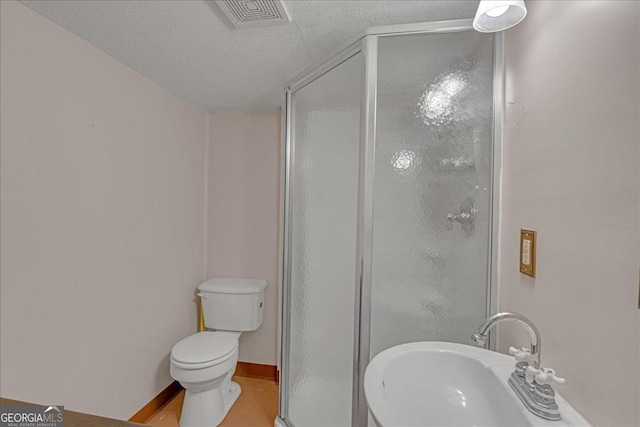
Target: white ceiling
[190, 48]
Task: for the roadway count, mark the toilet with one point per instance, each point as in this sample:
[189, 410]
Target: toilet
[203, 363]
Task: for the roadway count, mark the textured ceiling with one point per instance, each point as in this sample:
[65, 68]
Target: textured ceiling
[190, 48]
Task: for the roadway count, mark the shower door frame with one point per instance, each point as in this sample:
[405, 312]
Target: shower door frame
[367, 44]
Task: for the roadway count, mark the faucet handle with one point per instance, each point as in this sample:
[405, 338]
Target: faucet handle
[521, 355]
[543, 376]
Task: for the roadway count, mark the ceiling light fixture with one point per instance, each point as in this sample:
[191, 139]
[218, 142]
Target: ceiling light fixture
[494, 16]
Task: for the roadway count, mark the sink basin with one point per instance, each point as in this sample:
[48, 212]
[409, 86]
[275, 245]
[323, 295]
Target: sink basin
[446, 384]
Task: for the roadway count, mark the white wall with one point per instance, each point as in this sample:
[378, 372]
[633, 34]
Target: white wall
[243, 213]
[102, 225]
[570, 171]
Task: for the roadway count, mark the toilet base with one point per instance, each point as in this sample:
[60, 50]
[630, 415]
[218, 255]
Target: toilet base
[230, 397]
[208, 408]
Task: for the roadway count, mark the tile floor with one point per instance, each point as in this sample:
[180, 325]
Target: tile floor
[257, 406]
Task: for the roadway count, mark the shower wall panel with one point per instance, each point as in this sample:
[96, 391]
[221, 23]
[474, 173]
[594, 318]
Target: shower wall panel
[432, 187]
[322, 266]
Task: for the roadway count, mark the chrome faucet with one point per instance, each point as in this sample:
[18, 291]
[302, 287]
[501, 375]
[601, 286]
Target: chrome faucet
[530, 381]
[480, 336]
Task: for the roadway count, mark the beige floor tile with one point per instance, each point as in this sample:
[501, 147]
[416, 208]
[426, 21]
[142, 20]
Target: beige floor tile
[257, 406]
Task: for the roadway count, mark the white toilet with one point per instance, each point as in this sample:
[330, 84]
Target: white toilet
[205, 362]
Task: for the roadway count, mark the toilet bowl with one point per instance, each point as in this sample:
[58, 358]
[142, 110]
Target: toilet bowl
[204, 363]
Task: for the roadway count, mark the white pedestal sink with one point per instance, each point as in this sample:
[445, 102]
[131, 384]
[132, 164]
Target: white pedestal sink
[446, 384]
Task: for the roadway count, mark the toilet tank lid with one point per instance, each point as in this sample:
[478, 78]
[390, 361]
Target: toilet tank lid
[233, 285]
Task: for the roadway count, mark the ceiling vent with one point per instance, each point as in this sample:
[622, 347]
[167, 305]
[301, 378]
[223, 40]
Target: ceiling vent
[254, 13]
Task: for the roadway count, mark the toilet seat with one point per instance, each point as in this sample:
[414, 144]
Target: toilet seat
[204, 349]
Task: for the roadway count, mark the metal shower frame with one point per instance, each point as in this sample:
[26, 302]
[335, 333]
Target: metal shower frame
[367, 44]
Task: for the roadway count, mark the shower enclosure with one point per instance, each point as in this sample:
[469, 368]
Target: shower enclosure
[391, 157]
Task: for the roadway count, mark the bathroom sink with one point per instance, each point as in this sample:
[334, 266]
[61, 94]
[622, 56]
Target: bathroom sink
[447, 384]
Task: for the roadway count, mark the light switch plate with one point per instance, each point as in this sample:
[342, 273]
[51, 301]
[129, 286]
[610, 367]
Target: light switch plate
[528, 252]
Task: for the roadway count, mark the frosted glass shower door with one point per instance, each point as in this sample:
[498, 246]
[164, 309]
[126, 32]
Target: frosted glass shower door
[323, 195]
[432, 188]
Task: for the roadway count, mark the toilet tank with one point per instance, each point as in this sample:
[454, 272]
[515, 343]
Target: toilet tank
[233, 304]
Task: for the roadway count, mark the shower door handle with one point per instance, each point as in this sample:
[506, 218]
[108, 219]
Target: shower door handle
[466, 217]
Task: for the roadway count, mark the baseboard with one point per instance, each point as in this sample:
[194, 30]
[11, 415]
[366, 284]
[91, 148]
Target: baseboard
[157, 403]
[256, 370]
